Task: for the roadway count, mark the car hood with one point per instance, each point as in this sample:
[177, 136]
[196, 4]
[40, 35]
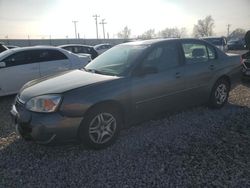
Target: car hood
[61, 83]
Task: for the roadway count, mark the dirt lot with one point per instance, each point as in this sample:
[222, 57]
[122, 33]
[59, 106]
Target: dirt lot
[198, 147]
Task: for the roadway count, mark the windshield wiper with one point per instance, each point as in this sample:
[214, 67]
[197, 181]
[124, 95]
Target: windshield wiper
[95, 71]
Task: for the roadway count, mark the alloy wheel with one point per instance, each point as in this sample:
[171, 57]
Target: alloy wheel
[102, 128]
[221, 93]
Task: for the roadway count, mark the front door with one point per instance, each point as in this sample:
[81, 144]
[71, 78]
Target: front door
[19, 69]
[162, 85]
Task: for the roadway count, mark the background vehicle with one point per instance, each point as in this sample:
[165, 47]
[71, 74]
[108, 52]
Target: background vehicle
[246, 57]
[3, 48]
[100, 48]
[20, 65]
[80, 49]
[129, 82]
[236, 44]
[219, 42]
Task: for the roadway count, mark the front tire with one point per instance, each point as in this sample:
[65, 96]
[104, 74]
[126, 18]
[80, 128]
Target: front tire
[100, 128]
[219, 94]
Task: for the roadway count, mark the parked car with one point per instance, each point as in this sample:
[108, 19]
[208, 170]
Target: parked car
[11, 46]
[3, 48]
[246, 57]
[100, 48]
[236, 44]
[246, 65]
[219, 42]
[127, 83]
[80, 49]
[20, 65]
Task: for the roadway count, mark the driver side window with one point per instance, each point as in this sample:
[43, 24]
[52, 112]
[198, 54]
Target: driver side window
[163, 57]
[153, 57]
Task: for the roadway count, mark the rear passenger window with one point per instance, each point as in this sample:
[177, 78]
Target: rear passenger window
[195, 52]
[56, 55]
[48, 55]
[163, 57]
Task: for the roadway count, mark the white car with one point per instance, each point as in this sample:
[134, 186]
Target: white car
[20, 65]
[100, 48]
[219, 42]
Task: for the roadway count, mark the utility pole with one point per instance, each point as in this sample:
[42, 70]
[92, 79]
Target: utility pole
[75, 27]
[228, 29]
[96, 24]
[103, 29]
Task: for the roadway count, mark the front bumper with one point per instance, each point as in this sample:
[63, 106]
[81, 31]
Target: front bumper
[44, 128]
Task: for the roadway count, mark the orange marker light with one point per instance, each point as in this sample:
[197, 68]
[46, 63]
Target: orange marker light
[49, 104]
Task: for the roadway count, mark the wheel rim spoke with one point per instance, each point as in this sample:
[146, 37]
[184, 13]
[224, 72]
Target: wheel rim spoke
[99, 137]
[221, 94]
[102, 128]
[109, 122]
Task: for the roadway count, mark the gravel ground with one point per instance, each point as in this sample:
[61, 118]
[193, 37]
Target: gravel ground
[195, 148]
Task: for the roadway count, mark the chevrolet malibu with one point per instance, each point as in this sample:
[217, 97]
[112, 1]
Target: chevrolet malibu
[122, 86]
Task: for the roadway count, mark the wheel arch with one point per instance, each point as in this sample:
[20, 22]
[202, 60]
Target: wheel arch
[110, 104]
[225, 77]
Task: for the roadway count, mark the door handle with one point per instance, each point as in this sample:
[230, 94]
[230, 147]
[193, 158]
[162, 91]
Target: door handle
[178, 75]
[211, 67]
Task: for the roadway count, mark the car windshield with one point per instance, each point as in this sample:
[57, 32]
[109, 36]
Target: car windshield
[215, 41]
[117, 60]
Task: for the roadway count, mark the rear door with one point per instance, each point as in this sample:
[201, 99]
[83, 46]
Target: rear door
[200, 66]
[20, 68]
[53, 61]
[163, 89]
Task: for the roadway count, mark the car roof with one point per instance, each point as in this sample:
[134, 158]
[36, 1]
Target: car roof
[102, 44]
[160, 40]
[34, 48]
[20, 49]
[68, 45]
[212, 37]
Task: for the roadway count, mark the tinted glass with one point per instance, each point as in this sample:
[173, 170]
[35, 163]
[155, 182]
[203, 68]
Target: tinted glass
[195, 52]
[117, 60]
[53, 55]
[163, 57]
[18, 58]
[48, 55]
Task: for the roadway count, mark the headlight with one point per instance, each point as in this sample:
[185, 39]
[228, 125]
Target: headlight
[44, 103]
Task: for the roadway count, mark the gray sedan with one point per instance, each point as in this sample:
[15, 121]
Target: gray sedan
[128, 83]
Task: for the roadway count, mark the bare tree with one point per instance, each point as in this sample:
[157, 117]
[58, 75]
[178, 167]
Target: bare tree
[125, 33]
[149, 34]
[238, 33]
[204, 28]
[173, 32]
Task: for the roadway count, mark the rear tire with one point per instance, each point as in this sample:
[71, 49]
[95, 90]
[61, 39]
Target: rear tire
[100, 128]
[219, 94]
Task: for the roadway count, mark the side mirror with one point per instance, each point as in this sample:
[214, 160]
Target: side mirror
[2, 64]
[142, 71]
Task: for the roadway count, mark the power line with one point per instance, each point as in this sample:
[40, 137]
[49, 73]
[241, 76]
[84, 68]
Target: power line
[103, 29]
[96, 24]
[228, 29]
[75, 28]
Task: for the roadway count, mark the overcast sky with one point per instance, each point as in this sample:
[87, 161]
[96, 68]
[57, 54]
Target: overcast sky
[41, 18]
